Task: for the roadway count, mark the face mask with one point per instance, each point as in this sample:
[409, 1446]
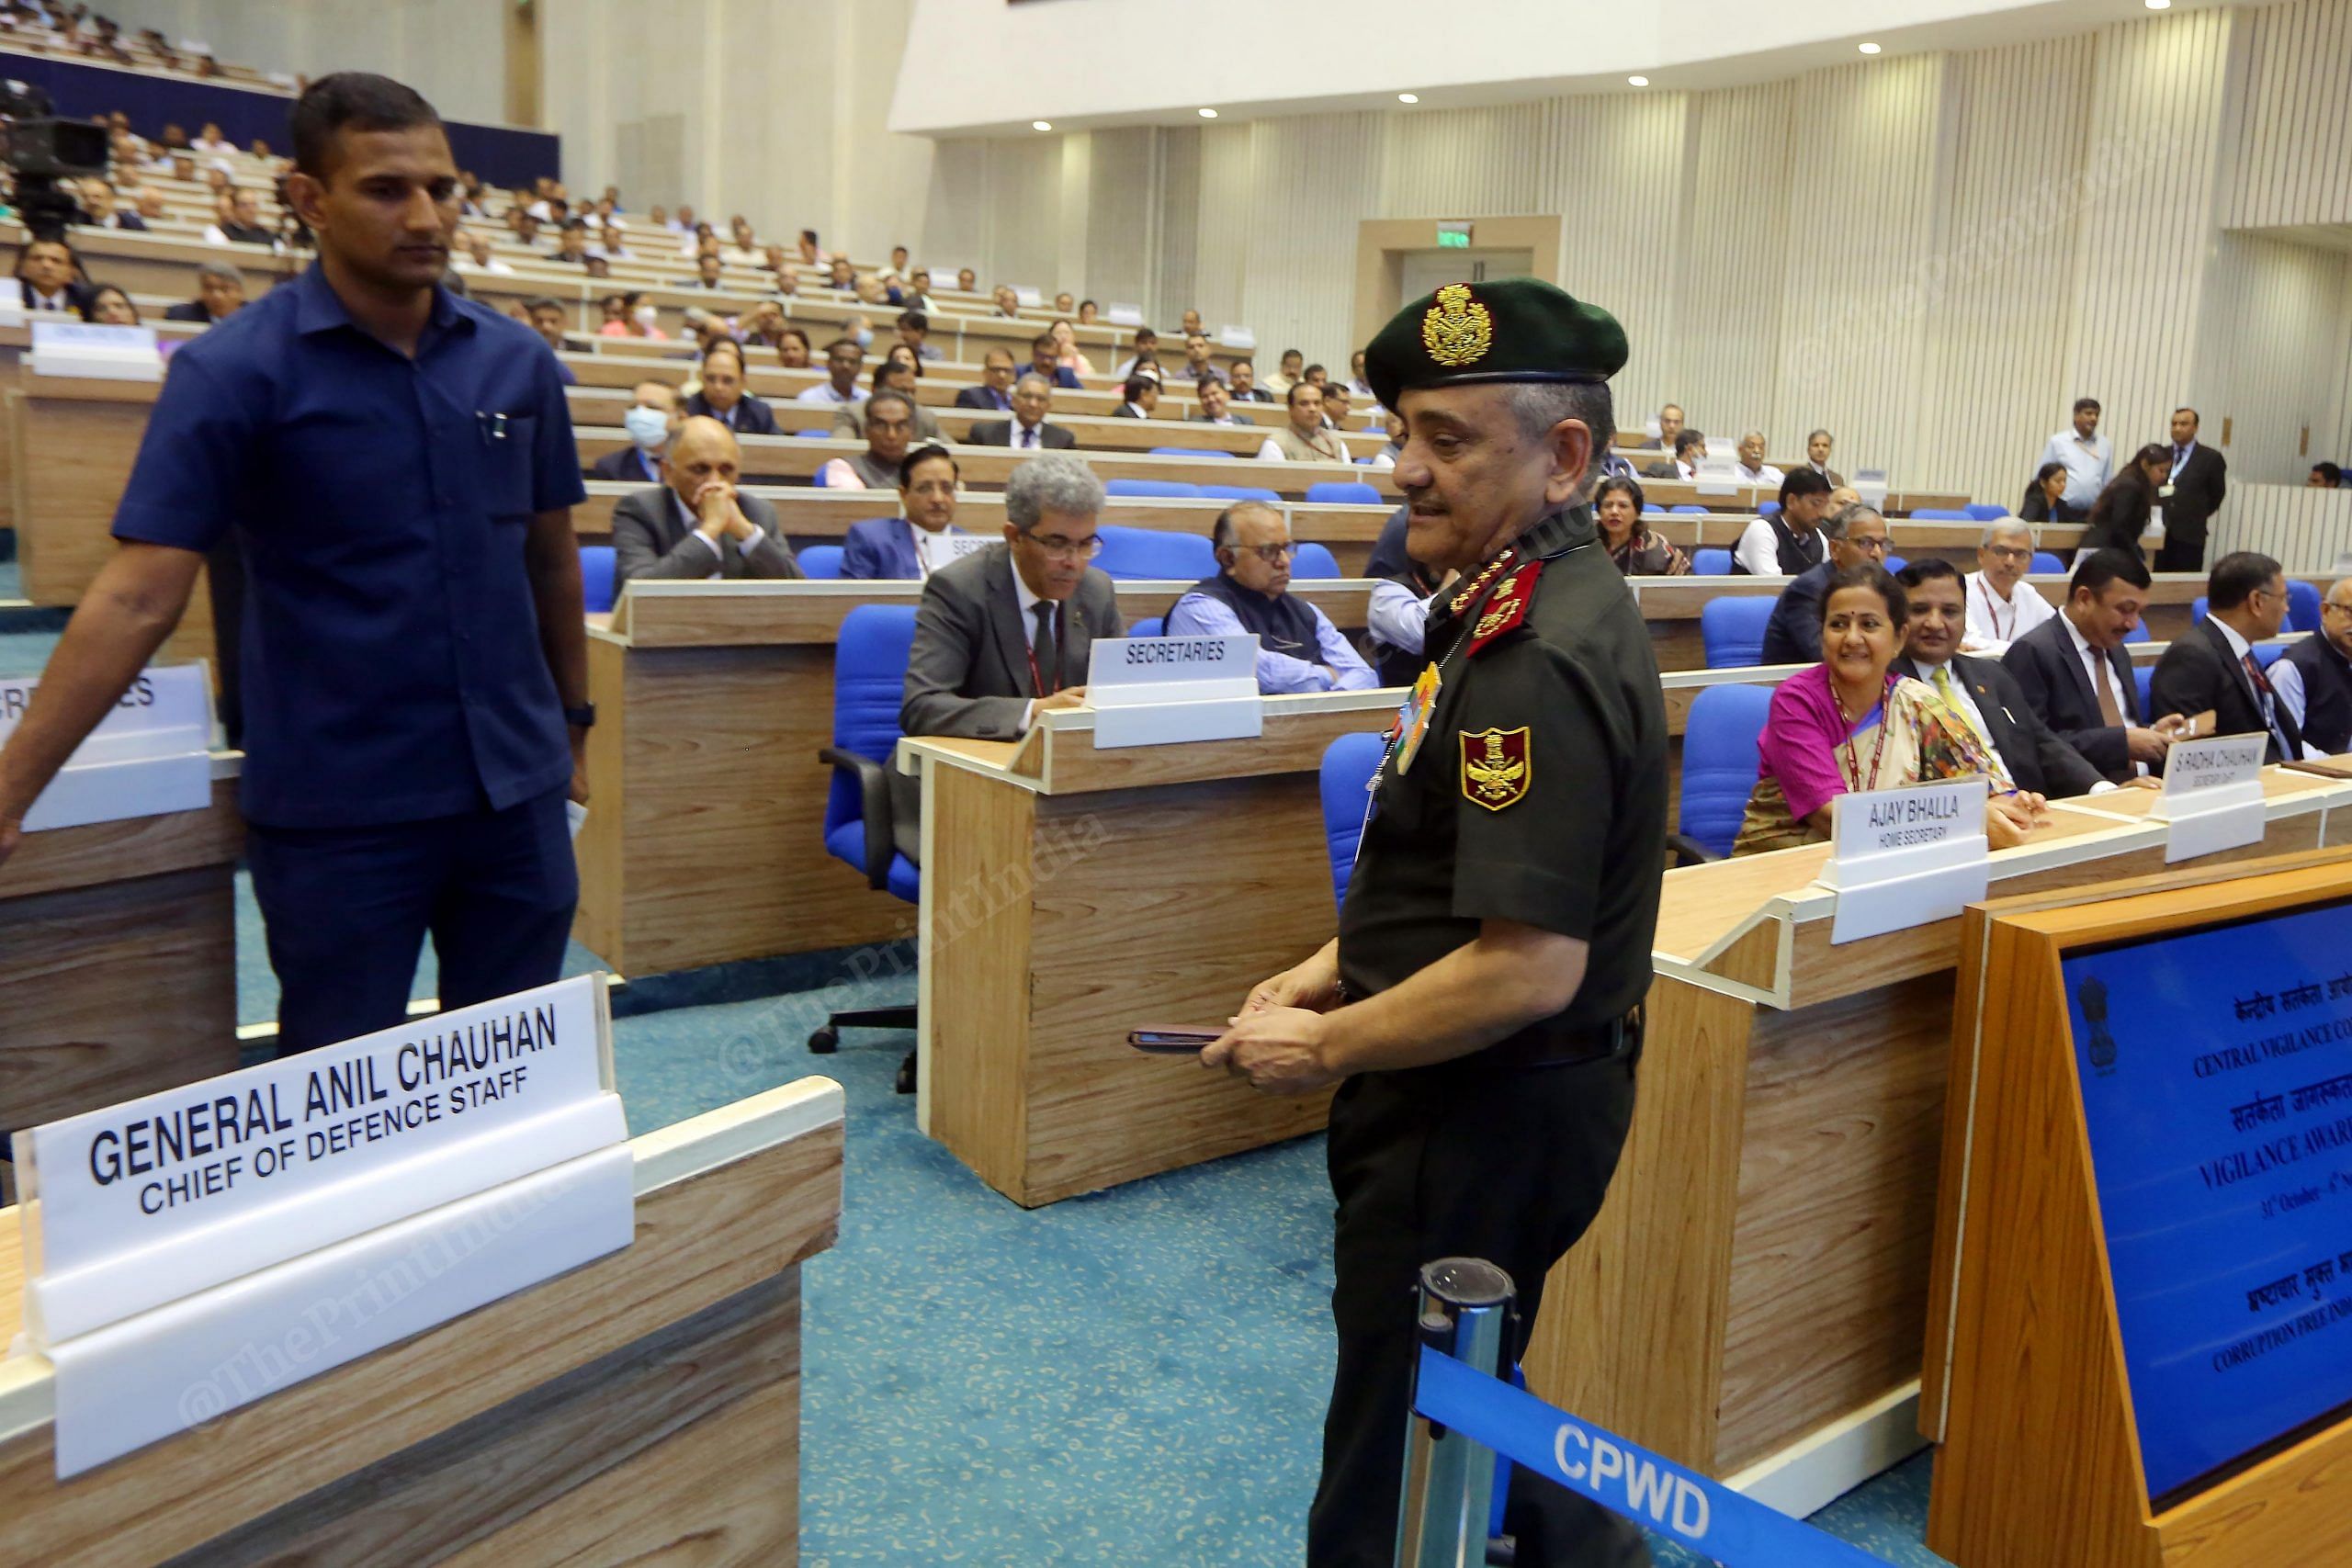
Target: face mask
[648, 427]
[864, 337]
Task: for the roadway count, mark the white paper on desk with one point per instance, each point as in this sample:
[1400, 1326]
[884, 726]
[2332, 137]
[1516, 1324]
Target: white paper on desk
[577, 814]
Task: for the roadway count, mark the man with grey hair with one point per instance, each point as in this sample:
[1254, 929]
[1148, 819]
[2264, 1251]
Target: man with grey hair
[219, 292]
[1753, 469]
[1004, 632]
[1857, 535]
[1033, 400]
[2002, 605]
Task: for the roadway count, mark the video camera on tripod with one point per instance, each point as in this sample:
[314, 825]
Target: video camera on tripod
[42, 149]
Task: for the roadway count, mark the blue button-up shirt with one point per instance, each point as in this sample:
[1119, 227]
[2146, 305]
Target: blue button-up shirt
[2088, 465]
[391, 662]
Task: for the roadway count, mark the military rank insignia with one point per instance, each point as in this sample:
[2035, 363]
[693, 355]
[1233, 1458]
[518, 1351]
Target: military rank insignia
[1497, 767]
[1506, 607]
[1456, 329]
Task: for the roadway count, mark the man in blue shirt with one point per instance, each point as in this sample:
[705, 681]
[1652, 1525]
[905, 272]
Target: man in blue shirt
[2088, 459]
[1298, 647]
[399, 466]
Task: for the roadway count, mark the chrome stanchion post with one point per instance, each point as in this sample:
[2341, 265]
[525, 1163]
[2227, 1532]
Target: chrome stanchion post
[1466, 1312]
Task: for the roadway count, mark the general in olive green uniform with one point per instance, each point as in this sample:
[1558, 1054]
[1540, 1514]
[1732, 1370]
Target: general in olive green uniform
[1536, 793]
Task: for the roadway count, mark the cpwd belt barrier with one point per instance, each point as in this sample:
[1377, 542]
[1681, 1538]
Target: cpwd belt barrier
[1471, 1416]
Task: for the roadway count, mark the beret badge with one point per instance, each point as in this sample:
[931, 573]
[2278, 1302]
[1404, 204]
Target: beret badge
[1456, 329]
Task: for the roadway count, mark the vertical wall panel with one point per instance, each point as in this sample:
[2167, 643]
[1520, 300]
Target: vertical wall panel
[1177, 271]
[1310, 181]
[1122, 251]
[2294, 149]
[2306, 530]
[2283, 305]
[1731, 247]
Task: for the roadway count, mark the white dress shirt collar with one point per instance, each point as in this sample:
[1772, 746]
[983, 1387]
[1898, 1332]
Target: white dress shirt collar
[2239, 646]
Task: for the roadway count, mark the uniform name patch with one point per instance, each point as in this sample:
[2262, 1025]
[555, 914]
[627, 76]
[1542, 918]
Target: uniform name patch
[1497, 767]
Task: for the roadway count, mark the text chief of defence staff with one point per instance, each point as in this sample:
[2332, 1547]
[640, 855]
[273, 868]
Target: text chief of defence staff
[1478, 1008]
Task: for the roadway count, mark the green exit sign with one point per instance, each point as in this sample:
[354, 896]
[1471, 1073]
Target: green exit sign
[1453, 236]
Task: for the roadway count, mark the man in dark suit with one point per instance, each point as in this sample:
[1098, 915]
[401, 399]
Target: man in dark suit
[698, 524]
[2213, 665]
[995, 390]
[1005, 632]
[1033, 398]
[2077, 679]
[2313, 679]
[1855, 534]
[651, 420]
[1669, 425]
[1978, 689]
[220, 294]
[45, 279]
[2189, 496]
[722, 397]
[1140, 397]
[1044, 359]
[1216, 407]
[1689, 445]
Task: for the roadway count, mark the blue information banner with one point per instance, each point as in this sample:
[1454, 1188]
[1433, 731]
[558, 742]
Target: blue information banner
[2216, 1071]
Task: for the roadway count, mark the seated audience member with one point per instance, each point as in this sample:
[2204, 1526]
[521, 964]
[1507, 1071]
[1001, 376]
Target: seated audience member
[1791, 541]
[220, 294]
[1290, 367]
[811, 254]
[1141, 397]
[149, 205]
[1033, 398]
[1317, 374]
[572, 244]
[106, 212]
[48, 277]
[526, 229]
[1088, 312]
[210, 143]
[2043, 496]
[916, 543]
[1241, 375]
[1855, 537]
[762, 326]
[1065, 302]
[840, 276]
[1066, 350]
[1008, 302]
[1851, 724]
[2212, 667]
[1044, 361]
[107, 306]
[891, 375]
[238, 223]
[707, 277]
[1189, 323]
[742, 249]
[792, 348]
[1335, 406]
[721, 396]
[2121, 512]
[1298, 647]
[653, 418]
[1753, 469]
[1197, 369]
[1816, 457]
[1304, 439]
[1626, 536]
[1147, 344]
[843, 360]
[1689, 445]
[2002, 605]
[917, 293]
[2324, 476]
[2313, 679]
[1034, 593]
[967, 280]
[1357, 385]
[626, 315]
[480, 257]
[777, 260]
[2076, 674]
[889, 431]
[898, 267]
[914, 330]
[995, 390]
[1216, 407]
[1669, 425]
[871, 290]
[1403, 593]
[2023, 752]
[697, 523]
[611, 245]
[1392, 425]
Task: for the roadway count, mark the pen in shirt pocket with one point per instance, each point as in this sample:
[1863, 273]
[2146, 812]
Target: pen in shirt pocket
[493, 427]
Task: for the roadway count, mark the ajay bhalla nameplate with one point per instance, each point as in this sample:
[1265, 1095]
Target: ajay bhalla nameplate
[197, 1249]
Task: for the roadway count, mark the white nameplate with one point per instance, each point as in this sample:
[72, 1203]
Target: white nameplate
[1716, 476]
[1237, 337]
[1158, 691]
[147, 757]
[1122, 315]
[1870, 485]
[145, 1202]
[2212, 795]
[1906, 857]
[1028, 296]
[104, 352]
[12, 309]
[941, 549]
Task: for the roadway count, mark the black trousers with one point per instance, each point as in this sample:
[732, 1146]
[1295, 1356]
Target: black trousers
[2183, 551]
[1508, 1166]
[347, 910]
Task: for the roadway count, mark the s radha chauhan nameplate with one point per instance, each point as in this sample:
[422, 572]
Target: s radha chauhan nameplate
[2216, 1074]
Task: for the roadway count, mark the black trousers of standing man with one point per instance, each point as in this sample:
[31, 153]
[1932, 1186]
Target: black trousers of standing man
[1458, 1161]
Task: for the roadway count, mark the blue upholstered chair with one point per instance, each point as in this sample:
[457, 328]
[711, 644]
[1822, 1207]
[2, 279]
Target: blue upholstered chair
[1150, 625]
[1333, 492]
[1313, 560]
[2043, 562]
[1162, 489]
[1941, 514]
[1155, 554]
[1710, 561]
[2197, 609]
[596, 577]
[1189, 452]
[1984, 511]
[1241, 492]
[819, 563]
[1346, 768]
[1732, 628]
[1719, 762]
[2302, 606]
[869, 682]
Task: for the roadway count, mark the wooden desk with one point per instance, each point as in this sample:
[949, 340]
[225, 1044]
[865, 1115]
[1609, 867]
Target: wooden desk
[704, 843]
[118, 961]
[643, 1407]
[1070, 894]
[1752, 1299]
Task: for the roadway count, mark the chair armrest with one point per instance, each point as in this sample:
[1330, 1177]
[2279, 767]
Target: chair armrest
[1688, 850]
[874, 811]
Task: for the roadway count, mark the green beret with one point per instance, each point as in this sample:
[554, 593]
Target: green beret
[1516, 329]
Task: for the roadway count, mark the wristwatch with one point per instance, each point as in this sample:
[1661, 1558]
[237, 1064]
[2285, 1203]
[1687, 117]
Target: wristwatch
[582, 718]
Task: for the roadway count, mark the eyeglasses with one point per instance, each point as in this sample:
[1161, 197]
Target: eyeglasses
[1876, 546]
[1061, 548]
[2009, 552]
[1273, 555]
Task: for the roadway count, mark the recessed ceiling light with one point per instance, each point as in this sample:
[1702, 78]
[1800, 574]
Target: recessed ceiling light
[1408, 98]
[1208, 114]
[1870, 49]
[1637, 81]
[2159, 5]
[1041, 125]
